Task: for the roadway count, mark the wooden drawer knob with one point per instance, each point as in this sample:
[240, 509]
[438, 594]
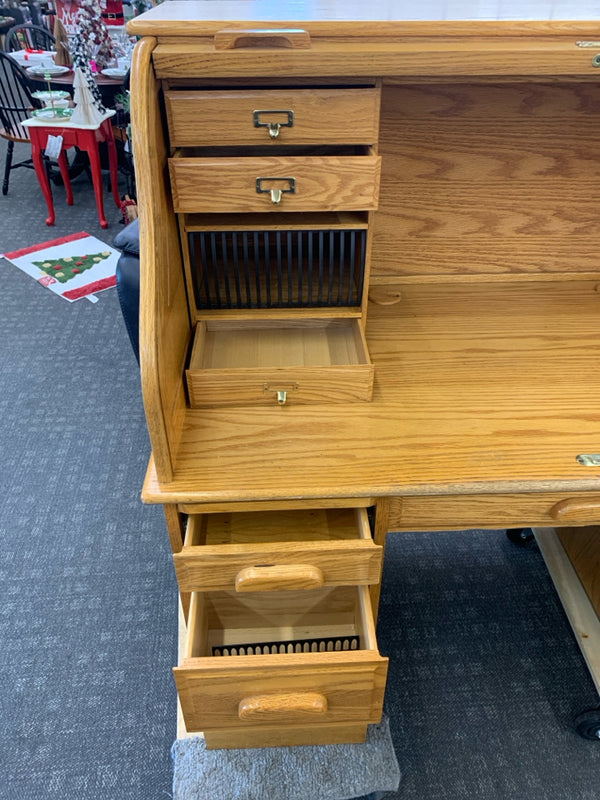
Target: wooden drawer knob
[278, 577]
[576, 509]
[282, 707]
[294, 38]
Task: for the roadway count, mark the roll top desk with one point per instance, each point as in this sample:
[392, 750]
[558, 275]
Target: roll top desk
[369, 253]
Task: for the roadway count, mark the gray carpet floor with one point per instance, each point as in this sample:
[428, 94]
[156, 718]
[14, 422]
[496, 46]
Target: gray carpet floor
[485, 675]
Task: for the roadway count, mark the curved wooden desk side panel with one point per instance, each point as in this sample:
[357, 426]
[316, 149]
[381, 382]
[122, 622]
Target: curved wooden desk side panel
[164, 322]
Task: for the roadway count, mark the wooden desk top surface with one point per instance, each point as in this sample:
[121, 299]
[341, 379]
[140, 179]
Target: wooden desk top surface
[190, 17]
[478, 388]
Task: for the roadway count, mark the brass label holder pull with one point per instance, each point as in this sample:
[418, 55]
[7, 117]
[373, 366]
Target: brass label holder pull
[273, 126]
[276, 194]
[589, 459]
[280, 391]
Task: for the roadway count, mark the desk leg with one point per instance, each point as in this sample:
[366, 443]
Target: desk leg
[379, 537]
[91, 145]
[176, 531]
[64, 171]
[40, 171]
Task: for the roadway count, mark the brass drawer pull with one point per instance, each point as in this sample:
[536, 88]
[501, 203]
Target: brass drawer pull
[278, 577]
[273, 127]
[276, 193]
[282, 706]
[281, 391]
[589, 459]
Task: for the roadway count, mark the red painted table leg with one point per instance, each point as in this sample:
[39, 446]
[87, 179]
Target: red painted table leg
[91, 145]
[86, 139]
[40, 171]
[64, 171]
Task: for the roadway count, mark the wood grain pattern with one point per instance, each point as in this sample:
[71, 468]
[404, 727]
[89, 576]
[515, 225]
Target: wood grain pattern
[309, 524]
[219, 547]
[478, 389]
[583, 617]
[329, 503]
[582, 545]
[380, 531]
[376, 19]
[288, 736]
[323, 183]
[494, 57]
[164, 324]
[333, 220]
[487, 180]
[261, 37]
[176, 531]
[248, 362]
[577, 511]
[283, 707]
[320, 116]
[211, 689]
[278, 578]
[480, 405]
[480, 511]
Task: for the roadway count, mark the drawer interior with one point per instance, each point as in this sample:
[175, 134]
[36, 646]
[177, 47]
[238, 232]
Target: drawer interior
[330, 619]
[260, 527]
[274, 150]
[231, 344]
[278, 551]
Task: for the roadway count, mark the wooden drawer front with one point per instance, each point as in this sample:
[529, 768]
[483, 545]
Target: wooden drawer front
[493, 511]
[305, 116]
[284, 689]
[303, 550]
[250, 362]
[311, 183]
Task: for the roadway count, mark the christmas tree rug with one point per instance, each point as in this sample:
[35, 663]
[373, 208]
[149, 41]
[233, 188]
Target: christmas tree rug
[74, 266]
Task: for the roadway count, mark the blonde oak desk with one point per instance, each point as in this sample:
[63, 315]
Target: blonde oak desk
[369, 303]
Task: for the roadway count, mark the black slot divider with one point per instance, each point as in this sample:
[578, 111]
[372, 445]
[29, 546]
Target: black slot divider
[278, 269]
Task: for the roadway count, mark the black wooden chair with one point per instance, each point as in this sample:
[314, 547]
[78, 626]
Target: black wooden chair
[34, 37]
[16, 105]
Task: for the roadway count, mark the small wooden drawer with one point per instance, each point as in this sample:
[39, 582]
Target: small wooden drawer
[278, 116]
[270, 361]
[493, 511]
[275, 183]
[298, 663]
[278, 550]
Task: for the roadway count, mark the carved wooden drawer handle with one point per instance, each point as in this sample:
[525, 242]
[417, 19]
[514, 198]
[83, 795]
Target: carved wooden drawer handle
[278, 577]
[282, 706]
[576, 509]
[231, 39]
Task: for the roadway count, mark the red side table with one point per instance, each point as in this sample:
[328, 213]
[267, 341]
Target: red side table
[86, 137]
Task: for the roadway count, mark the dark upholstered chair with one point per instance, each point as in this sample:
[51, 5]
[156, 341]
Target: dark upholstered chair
[128, 281]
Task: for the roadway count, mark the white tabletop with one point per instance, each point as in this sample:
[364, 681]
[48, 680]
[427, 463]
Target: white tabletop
[25, 59]
[66, 123]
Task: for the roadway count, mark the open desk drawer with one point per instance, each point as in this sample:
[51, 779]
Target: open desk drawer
[265, 361]
[323, 667]
[278, 550]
